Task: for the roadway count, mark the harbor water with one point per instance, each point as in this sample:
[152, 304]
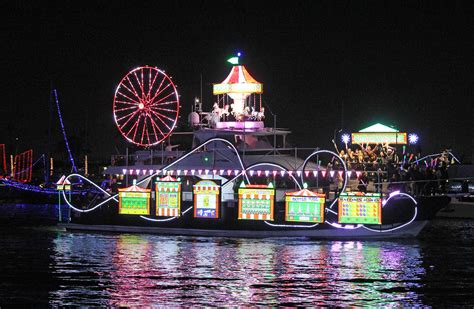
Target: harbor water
[47, 266]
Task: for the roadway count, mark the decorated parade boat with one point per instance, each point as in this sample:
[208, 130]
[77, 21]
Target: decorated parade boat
[238, 178]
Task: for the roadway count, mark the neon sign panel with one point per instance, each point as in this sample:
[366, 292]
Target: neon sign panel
[134, 202]
[304, 206]
[379, 137]
[206, 199]
[360, 208]
[256, 202]
[168, 198]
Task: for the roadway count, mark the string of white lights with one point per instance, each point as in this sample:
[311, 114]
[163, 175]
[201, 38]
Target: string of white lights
[274, 165]
[193, 151]
[437, 155]
[317, 152]
[185, 156]
[291, 225]
[167, 219]
[346, 227]
[110, 197]
[393, 194]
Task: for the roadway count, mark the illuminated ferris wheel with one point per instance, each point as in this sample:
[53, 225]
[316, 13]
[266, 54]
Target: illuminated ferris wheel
[146, 106]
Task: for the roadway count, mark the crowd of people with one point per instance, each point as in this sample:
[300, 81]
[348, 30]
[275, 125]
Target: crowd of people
[406, 172]
[367, 156]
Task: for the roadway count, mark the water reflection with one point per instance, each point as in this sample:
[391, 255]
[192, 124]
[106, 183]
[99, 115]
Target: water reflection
[132, 270]
[46, 267]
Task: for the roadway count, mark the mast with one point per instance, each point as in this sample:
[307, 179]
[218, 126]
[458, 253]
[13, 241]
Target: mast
[47, 165]
[71, 158]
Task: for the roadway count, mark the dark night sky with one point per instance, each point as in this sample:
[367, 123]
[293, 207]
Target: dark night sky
[407, 64]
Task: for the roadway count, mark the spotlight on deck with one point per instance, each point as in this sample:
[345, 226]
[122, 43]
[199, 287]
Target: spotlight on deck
[413, 138]
[345, 138]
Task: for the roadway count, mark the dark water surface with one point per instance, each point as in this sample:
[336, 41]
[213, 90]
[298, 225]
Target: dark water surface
[46, 266]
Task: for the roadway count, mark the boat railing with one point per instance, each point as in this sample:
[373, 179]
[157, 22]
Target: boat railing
[295, 154]
[377, 177]
[454, 187]
[153, 156]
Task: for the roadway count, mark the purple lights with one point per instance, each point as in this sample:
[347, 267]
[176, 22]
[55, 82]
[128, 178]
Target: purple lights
[71, 158]
[240, 125]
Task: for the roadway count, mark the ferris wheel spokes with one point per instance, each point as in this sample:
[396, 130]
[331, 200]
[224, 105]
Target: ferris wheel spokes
[146, 106]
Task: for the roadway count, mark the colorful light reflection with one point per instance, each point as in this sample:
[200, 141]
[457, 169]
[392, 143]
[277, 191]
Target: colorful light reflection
[151, 270]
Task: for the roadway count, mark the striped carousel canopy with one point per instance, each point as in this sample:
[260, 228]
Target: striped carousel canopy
[239, 80]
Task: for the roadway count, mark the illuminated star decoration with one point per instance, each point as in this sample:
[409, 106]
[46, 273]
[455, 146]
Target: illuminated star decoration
[413, 138]
[345, 138]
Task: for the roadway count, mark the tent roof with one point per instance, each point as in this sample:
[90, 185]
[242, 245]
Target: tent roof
[377, 128]
[167, 178]
[134, 188]
[239, 75]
